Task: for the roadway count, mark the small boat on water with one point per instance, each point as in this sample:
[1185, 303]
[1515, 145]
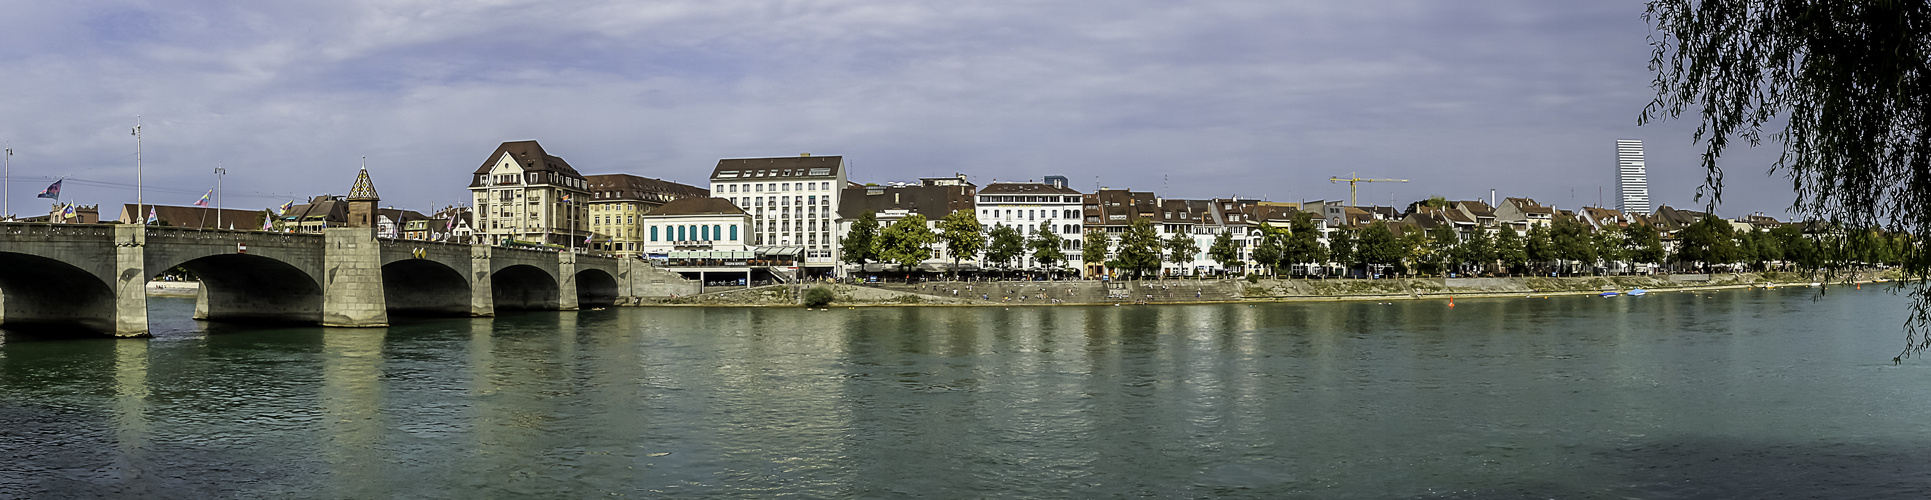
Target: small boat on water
[1637, 292]
[1608, 294]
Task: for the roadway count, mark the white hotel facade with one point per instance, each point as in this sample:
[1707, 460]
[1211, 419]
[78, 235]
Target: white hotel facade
[792, 202]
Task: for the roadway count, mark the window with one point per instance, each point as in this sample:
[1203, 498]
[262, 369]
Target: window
[716, 232]
[653, 233]
[734, 232]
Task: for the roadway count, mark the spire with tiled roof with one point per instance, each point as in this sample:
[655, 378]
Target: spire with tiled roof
[364, 189]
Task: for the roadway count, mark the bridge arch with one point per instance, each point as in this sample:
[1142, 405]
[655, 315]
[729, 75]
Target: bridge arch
[252, 288]
[45, 294]
[523, 286]
[424, 287]
[596, 288]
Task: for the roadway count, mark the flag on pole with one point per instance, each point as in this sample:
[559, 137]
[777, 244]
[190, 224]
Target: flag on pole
[586, 240]
[267, 220]
[152, 218]
[288, 206]
[68, 213]
[204, 199]
[52, 191]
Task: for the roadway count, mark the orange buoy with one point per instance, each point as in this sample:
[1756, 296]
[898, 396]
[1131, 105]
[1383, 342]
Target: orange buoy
[1451, 301]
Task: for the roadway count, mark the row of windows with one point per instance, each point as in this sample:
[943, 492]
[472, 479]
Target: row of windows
[760, 187]
[1028, 199]
[695, 232]
[1010, 214]
[773, 201]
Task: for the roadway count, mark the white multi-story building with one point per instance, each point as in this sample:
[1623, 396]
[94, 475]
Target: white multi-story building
[792, 201]
[1027, 205]
[1632, 178]
[524, 194]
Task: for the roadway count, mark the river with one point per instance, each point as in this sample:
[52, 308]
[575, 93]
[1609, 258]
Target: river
[1742, 394]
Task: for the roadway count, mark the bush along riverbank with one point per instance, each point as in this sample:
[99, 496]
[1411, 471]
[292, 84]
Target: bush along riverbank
[1186, 291]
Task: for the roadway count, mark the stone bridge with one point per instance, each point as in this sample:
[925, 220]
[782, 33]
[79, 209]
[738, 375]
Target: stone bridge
[94, 276]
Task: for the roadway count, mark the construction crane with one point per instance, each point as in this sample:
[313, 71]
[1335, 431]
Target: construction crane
[1352, 179]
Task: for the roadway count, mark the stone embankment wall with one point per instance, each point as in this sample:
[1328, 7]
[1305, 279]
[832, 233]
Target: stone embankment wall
[1207, 291]
[174, 288]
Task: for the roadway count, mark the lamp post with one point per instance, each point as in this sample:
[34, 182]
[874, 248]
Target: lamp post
[9, 183]
[138, 201]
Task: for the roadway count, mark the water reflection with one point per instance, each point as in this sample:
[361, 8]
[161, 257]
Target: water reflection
[1568, 397]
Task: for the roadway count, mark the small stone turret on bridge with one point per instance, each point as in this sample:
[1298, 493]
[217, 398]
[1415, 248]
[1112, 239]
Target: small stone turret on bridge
[94, 276]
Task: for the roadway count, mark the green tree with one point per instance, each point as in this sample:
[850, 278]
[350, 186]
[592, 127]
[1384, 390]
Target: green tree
[1478, 251]
[1571, 242]
[1224, 251]
[1270, 250]
[1181, 250]
[860, 245]
[1047, 246]
[1443, 249]
[1769, 248]
[1608, 241]
[1341, 249]
[1415, 251]
[1645, 244]
[1302, 243]
[1139, 249]
[1511, 249]
[906, 242]
[1377, 246]
[1006, 246]
[1540, 247]
[1093, 246]
[964, 237]
[1843, 85]
[1705, 242]
[1745, 244]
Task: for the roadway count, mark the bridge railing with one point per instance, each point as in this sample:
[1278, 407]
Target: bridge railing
[33, 230]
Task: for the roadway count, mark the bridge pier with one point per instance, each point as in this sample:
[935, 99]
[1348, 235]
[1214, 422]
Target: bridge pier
[130, 281]
[482, 298]
[566, 281]
[352, 294]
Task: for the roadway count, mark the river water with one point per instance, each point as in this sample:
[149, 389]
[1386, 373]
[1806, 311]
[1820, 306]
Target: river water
[1741, 394]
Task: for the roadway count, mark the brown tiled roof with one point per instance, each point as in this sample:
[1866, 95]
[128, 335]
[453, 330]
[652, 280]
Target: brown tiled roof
[326, 207]
[697, 206]
[530, 156]
[1025, 188]
[783, 166]
[933, 202]
[194, 216]
[631, 187]
[1529, 205]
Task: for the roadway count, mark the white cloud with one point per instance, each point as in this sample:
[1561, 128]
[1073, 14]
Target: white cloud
[1219, 98]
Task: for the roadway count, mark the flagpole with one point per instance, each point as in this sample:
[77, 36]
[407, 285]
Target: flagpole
[138, 201]
[218, 173]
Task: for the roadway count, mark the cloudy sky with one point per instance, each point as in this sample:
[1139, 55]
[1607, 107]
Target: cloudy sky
[1190, 99]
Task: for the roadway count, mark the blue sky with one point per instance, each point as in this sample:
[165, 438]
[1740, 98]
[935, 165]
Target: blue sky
[1189, 99]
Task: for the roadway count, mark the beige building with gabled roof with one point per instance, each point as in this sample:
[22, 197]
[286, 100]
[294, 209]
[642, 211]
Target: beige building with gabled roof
[524, 194]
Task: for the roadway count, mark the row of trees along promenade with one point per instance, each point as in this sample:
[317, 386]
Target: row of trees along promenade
[1563, 247]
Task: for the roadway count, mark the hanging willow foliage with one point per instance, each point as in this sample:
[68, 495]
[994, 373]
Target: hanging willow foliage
[1843, 86]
